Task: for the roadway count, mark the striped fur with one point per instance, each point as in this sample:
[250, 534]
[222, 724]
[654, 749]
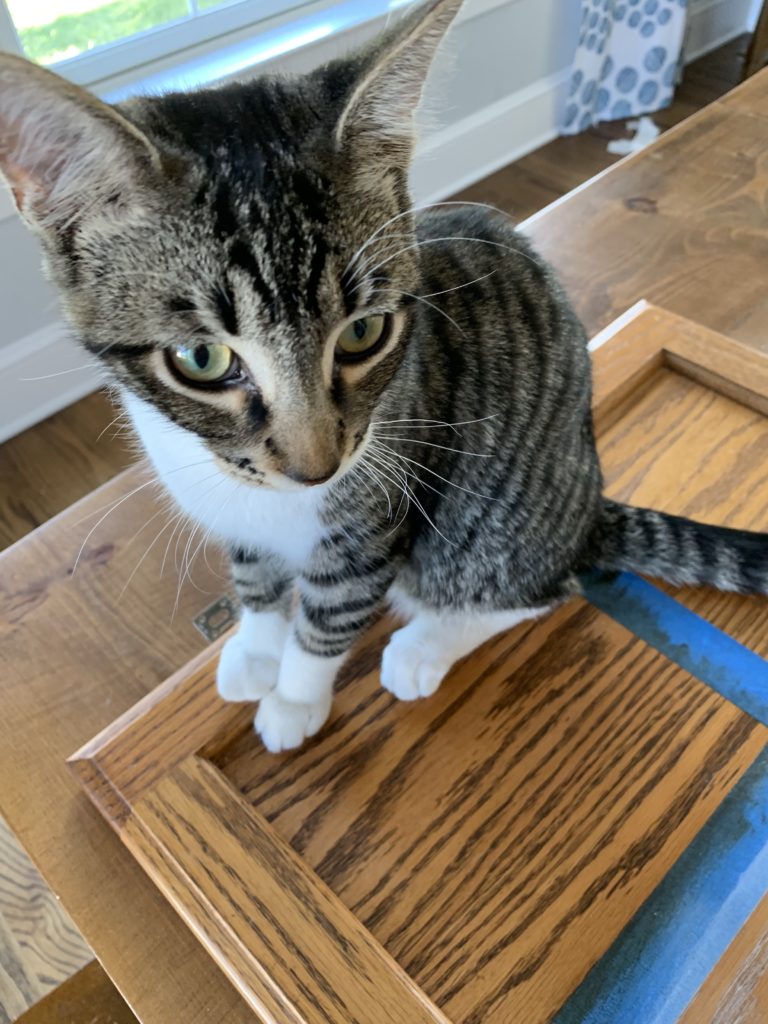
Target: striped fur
[461, 460]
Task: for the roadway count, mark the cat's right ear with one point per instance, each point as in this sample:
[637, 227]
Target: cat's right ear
[392, 71]
[63, 152]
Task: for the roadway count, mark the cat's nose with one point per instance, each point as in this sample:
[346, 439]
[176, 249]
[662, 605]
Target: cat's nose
[310, 481]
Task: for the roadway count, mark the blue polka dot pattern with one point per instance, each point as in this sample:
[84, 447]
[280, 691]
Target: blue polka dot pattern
[654, 59]
[647, 92]
[626, 80]
[626, 62]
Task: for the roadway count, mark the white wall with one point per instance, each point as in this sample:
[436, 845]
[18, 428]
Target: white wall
[494, 95]
[713, 22]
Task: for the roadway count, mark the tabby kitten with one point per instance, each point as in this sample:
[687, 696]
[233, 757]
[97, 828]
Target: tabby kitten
[363, 403]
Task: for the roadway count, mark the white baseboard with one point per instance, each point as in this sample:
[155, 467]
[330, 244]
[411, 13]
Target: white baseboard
[711, 23]
[447, 161]
[463, 153]
[32, 384]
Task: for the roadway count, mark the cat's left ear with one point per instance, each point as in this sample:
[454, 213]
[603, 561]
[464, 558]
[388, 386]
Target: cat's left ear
[389, 86]
[63, 152]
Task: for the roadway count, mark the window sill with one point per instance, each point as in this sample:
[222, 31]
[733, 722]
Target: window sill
[293, 42]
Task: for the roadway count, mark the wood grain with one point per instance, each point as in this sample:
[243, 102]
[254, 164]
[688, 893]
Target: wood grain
[675, 418]
[285, 940]
[686, 449]
[39, 945]
[647, 338]
[122, 763]
[497, 838]
[388, 806]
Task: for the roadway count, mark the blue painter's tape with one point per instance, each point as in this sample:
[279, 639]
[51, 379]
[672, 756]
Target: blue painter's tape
[738, 674]
[665, 953]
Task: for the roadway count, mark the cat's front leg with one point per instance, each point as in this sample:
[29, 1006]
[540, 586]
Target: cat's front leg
[299, 705]
[333, 612]
[249, 665]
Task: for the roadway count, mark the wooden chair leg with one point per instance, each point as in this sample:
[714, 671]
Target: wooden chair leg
[88, 995]
[757, 54]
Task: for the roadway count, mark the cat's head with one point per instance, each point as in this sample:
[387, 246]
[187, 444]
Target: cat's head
[242, 258]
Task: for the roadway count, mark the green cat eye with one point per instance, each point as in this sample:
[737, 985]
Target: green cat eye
[203, 364]
[361, 338]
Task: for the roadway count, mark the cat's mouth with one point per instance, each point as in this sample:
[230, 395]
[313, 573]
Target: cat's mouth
[243, 469]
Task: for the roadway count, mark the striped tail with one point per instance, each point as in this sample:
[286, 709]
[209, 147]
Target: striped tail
[679, 550]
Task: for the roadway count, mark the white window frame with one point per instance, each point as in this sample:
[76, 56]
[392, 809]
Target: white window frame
[172, 37]
[223, 42]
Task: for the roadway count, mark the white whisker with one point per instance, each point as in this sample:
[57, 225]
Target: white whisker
[426, 424]
[372, 476]
[399, 291]
[416, 208]
[459, 487]
[454, 238]
[61, 373]
[458, 287]
[414, 499]
[431, 444]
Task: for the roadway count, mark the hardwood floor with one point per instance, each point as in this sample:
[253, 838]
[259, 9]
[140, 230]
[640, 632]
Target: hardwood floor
[52, 465]
[48, 467]
[39, 945]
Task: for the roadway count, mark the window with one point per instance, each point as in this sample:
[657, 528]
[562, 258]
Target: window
[90, 40]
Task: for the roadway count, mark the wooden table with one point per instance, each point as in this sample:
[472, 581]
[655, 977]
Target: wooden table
[683, 224]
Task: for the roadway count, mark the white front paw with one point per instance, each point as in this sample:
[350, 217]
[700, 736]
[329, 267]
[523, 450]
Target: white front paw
[284, 725]
[243, 675]
[412, 667]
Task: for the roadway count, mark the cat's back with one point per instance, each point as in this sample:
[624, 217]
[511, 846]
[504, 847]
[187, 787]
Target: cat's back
[480, 238]
[485, 278]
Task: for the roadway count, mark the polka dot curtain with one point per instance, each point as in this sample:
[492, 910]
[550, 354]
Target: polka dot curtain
[626, 61]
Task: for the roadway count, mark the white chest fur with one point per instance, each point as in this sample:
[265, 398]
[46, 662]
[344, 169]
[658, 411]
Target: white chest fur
[286, 523]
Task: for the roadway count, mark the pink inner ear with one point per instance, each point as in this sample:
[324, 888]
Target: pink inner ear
[21, 182]
[19, 179]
